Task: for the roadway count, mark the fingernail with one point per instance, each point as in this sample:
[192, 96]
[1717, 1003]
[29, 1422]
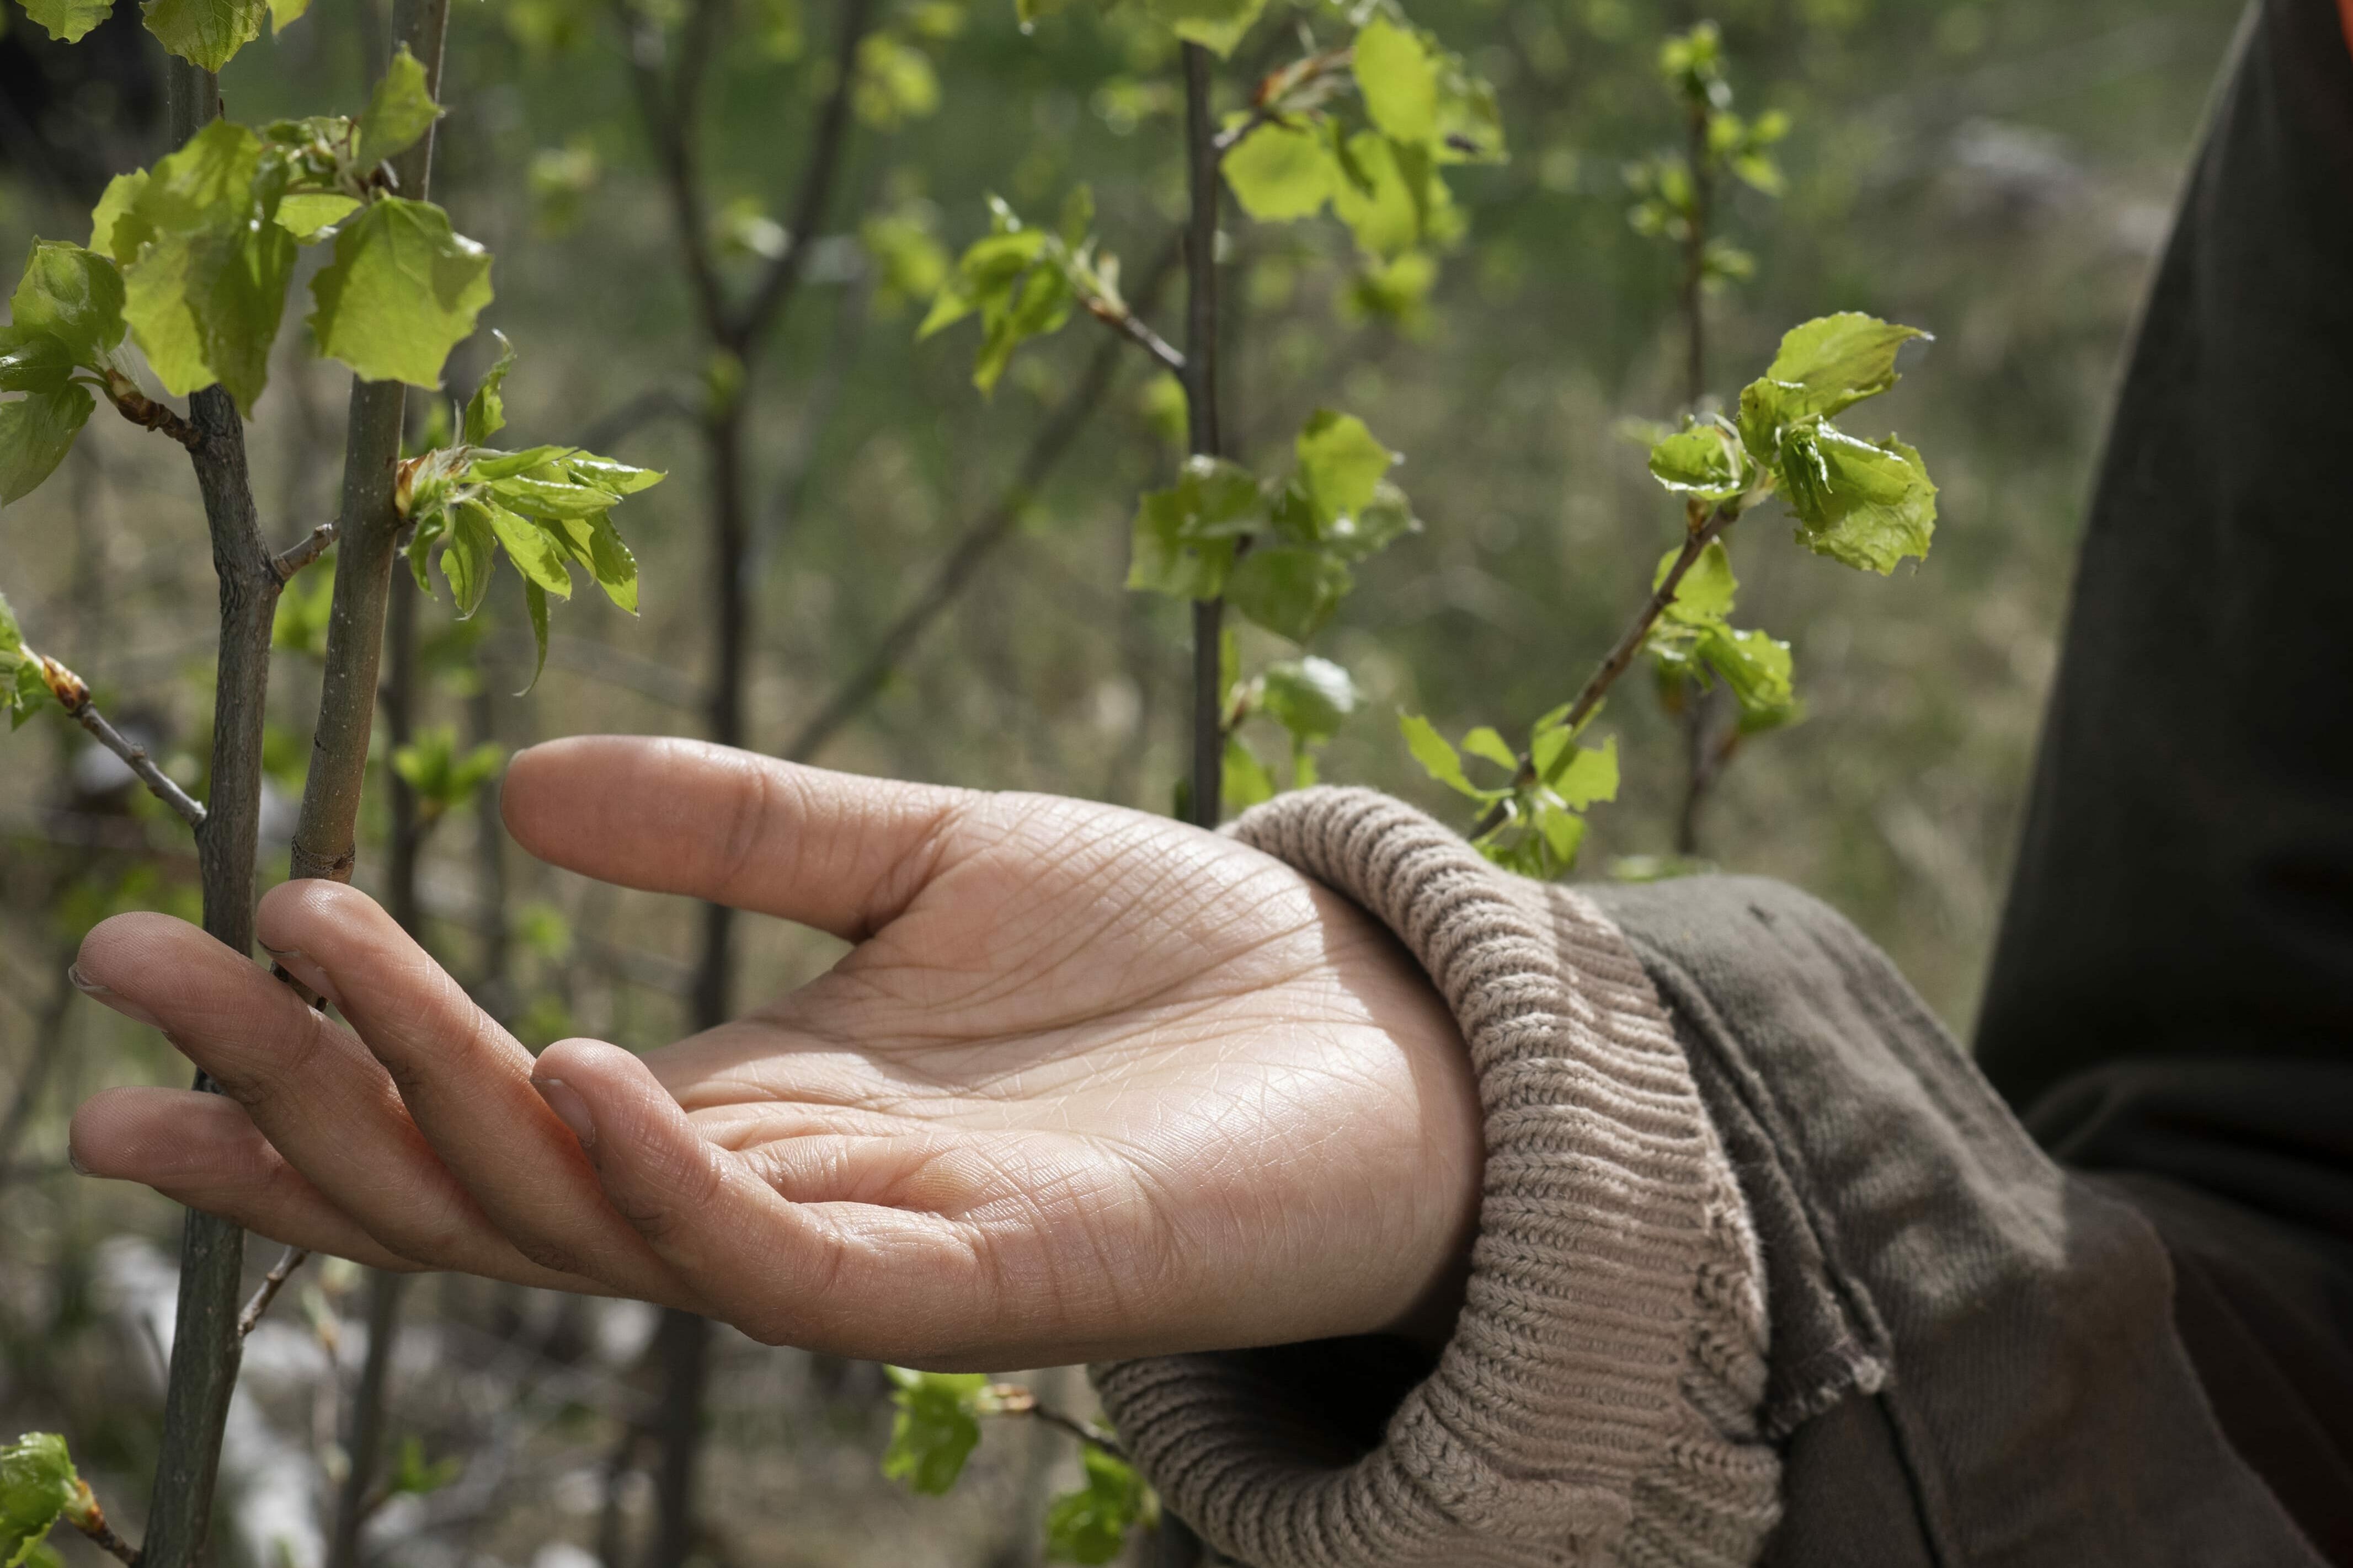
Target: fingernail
[304, 968]
[565, 1101]
[100, 995]
[73, 1158]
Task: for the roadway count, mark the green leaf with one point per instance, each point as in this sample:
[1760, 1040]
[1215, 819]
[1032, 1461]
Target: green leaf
[1279, 173]
[1563, 835]
[1590, 775]
[535, 552]
[399, 111]
[487, 466]
[485, 411]
[72, 294]
[206, 293]
[534, 599]
[32, 362]
[467, 556]
[1216, 25]
[1836, 360]
[1341, 464]
[1290, 591]
[305, 215]
[1707, 462]
[616, 479]
[37, 1484]
[1394, 200]
[549, 497]
[934, 1430]
[1373, 527]
[284, 13]
[68, 21]
[1706, 591]
[401, 292]
[1398, 81]
[1246, 780]
[1310, 697]
[116, 205]
[1438, 756]
[205, 32]
[1484, 741]
[36, 432]
[1183, 537]
[1755, 667]
[1867, 506]
[1090, 1525]
[444, 779]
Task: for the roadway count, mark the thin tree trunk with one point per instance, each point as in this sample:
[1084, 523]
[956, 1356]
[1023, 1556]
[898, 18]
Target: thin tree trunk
[1201, 419]
[364, 1440]
[206, 1347]
[367, 531]
[1703, 705]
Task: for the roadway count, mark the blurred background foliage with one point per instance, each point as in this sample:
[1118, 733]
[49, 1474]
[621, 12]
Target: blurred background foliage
[1999, 172]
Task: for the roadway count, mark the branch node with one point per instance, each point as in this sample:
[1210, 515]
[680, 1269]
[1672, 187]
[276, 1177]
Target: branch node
[149, 415]
[300, 553]
[272, 1283]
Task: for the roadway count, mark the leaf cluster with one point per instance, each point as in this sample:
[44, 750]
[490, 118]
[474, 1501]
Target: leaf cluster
[1668, 186]
[205, 32]
[1539, 811]
[1374, 155]
[935, 1429]
[193, 259]
[22, 688]
[1865, 503]
[1023, 280]
[547, 507]
[1090, 1525]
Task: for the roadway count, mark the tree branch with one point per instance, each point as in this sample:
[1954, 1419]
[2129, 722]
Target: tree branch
[1019, 1399]
[1122, 320]
[147, 414]
[1704, 529]
[303, 552]
[90, 1520]
[325, 837]
[1201, 417]
[668, 112]
[267, 1293]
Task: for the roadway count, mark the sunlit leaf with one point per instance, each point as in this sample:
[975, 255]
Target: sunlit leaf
[1708, 587]
[205, 32]
[1836, 361]
[468, 554]
[1867, 506]
[402, 291]
[32, 362]
[1279, 173]
[68, 21]
[1487, 742]
[1182, 541]
[305, 215]
[1341, 463]
[535, 600]
[284, 13]
[1438, 756]
[1704, 461]
[1398, 81]
[1215, 24]
[400, 110]
[72, 294]
[113, 229]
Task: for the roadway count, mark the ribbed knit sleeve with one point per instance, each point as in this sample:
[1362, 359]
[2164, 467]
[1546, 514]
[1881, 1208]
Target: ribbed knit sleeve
[1597, 1402]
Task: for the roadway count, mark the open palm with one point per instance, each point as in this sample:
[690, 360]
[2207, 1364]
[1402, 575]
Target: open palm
[1090, 1083]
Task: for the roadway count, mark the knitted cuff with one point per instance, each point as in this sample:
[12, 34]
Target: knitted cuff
[1595, 1403]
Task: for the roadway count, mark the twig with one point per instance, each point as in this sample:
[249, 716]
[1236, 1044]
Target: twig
[73, 695]
[303, 552]
[149, 415]
[1124, 321]
[1704, 530]
[824, 166]
[1018, 1399]
[272, 1283]
[90, 1520]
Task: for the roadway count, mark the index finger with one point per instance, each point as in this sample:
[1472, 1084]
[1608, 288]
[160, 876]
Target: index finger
[836, 851]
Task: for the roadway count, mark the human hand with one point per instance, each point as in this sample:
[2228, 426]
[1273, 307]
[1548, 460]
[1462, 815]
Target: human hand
[1089, 1084]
